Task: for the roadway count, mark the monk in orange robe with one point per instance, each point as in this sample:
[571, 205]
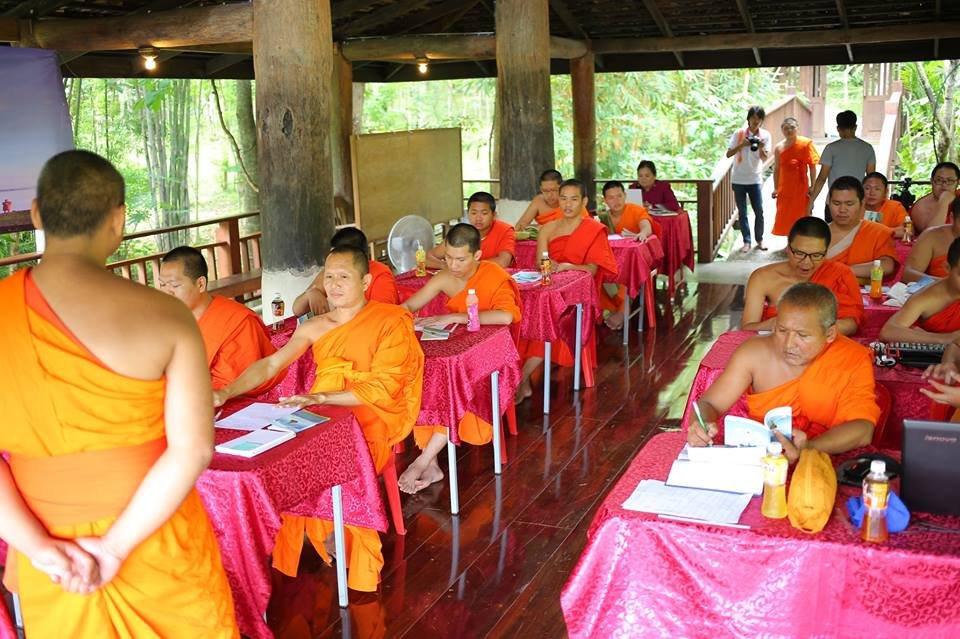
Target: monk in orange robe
[108, 424]
[794, 170]
[547, 200]
[879, 208]
[630, 221]
[826, 378]
[499, 304]
[368, 358]
[855, 241]
[806, 252]
[932, 314]
[233, 335]
[497, 238]
[383, 286]
[574, 244]
[928, 256]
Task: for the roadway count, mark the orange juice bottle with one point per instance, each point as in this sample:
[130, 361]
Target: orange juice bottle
[907, 230]
[421, 261]
[774, 482]
[546, 270]
[876, 280]
[876, 490]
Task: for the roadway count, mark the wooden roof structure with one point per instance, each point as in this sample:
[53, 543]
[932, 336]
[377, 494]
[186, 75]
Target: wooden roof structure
[384, 38]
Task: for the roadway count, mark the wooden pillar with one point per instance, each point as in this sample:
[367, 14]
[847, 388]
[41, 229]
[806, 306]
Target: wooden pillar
[584, 124]
[293, 65]
[342, 122]
[525, 126]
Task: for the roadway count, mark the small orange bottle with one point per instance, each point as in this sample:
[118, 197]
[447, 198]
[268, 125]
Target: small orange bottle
[876, 280]
[546, 270]
[774, 482]
[876, 491]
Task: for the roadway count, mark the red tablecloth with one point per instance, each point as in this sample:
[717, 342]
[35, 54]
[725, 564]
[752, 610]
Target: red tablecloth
[549, 312]
[903, 252]
[456, 376]
[245, 498]
[676, 235]
[635, 260]
[641, 576]
[876, 316]
[903, 383]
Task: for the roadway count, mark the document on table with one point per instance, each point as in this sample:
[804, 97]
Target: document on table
[652, 496]
[526, 277]
[717, 476]
[254, 417]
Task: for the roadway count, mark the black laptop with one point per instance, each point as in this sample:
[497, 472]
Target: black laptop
[930, 479]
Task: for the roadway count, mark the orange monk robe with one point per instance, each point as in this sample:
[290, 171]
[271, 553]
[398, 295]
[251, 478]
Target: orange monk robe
[792, 190]
[892, 213]
[946, 320]
[234, 338]
[843, 284]
[630, 219]
[938, 266]
[81, 439]
[556, 214]
[586, 245]
[837, 387]
[496, 291]
[871, 242]
[377, 356]
[501, 238]
[383, 286]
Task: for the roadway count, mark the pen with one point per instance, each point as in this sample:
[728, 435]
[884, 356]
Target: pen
[696, 411]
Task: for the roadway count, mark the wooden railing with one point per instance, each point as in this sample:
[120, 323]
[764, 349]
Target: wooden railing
[233, 260]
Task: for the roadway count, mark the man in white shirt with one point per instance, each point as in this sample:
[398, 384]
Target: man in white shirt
[847, 156]
[751, 146]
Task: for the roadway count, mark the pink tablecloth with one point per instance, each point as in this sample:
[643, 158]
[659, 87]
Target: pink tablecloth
[549, 313]
[903, 252]
[903, 383]
[245, 498]
[677, 239]
[635, 260]
[456, 376]
[641, 576]
[876, 316]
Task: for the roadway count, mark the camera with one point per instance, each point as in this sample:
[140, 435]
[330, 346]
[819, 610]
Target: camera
[754, 141]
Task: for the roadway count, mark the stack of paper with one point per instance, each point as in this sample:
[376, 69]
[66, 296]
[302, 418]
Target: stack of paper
[652, 496]
[434, 333]
[282, 424]
[253, 417]
[731, 469]
[254, 442]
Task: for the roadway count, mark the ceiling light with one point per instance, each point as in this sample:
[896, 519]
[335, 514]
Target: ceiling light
[149, 55]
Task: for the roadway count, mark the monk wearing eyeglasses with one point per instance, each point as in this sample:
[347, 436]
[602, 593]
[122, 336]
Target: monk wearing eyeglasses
[806, 262]
[933, 208]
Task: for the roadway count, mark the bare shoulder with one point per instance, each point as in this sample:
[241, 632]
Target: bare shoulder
[540, 203]
[548, 229]
[144, 307]
[751, 355]
[315, 327]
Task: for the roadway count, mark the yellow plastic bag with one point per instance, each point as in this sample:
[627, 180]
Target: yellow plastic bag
[812, 492]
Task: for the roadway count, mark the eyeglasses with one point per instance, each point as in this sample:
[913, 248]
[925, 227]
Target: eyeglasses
[801, 255]
[944, 181]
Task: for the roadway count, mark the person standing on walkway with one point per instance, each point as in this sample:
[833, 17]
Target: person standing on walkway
[849, 155]
[794, 158]
[751, 146]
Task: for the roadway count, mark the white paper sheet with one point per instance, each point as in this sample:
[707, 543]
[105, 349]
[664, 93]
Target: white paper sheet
[651, 496]
[254, 417]
[717, 476]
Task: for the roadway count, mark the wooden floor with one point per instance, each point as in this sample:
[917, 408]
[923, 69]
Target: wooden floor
[498, 568]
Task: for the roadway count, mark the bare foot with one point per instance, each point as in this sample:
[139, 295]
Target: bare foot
[330, 545]
[524, 391]
[745, 248]
[419, 474]
[614, 321]
[431, 475]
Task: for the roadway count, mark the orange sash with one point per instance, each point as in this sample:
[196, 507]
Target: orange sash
[501, 238]
[938, 267]
[383, 286]
[947, 320]
[556, 214]
[843, 284]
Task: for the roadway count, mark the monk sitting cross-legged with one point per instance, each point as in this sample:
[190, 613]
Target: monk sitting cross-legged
[825, 377]
[368, 359]
[806, 249]
[383, 286]
[498, 303]
[933, 314]
[497, 238]
[107, 419]
[879, 208]
[855, 241]
[929, 255]
[233, 335]
[574, 244]
[545, 207]
[631, 221]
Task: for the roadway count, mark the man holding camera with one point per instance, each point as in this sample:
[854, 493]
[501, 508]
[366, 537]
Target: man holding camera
[751, 146]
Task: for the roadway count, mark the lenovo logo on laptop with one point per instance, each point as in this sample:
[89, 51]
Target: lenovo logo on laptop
[939, 439]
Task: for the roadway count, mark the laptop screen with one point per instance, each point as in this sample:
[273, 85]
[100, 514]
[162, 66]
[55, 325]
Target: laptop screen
[930, 479]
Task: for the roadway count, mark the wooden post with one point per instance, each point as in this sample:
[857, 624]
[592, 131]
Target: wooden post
[293, 64]
[585, 124]
[342, 122]
[228, 257]
[525, 127]
[705, 225]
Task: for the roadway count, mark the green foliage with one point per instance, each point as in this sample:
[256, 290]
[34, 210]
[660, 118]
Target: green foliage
[918, 144]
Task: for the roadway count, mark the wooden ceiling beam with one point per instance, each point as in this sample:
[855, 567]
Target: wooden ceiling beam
[568, 19]
[9, 30]
[445, 47]
[748, 22]
[665, 29]
[382, 16]
[437, 14]
[845, 23]
[781, 40]
[35, 8]
[225, 61]
[346, 8]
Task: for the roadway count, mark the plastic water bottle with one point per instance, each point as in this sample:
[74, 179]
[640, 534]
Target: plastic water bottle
[774, 482]
[277, 307]
[876, 280]
[473, 311]
[876, 490]
[421, 260]
[907, 230]
[546, 270]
